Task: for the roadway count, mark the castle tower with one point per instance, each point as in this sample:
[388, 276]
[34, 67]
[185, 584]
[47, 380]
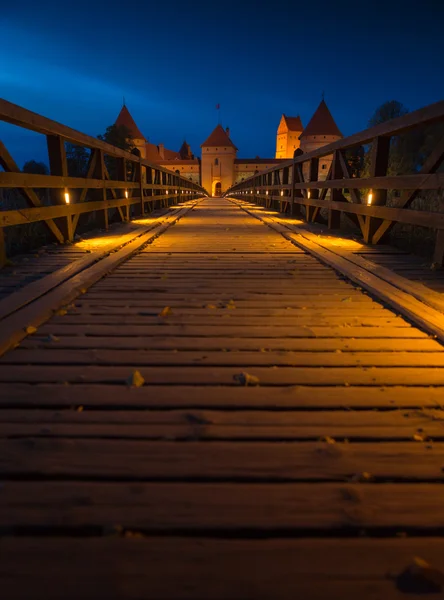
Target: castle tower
[218, 156]
[126, 120]
[287, 138]
[320, 131]
[185, 151]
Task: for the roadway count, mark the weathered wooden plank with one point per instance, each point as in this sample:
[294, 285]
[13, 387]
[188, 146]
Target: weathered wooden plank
[14, 327]
[255, 461]
[253, 297]
[90, 307]
[415, 289]
[207, 569]
[231, 343]
[167, 397]
[94, 356]
[406, 419]
[339, 426]
[263, 331]
[212, 506]
[230, 317]
[35, 289]
[427, 317]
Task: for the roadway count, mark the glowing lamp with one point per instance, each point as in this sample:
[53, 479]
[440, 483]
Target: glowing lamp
[266, 192]
[66, 197]
[175, 191]
[167, 192]
[369, 199]
[308, 194]
[126, 193]
[282, 192]
[251, 192]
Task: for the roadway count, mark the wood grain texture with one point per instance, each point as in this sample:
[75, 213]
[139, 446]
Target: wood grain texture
[305, 484]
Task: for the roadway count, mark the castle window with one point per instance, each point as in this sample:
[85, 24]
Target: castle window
[216, 161]
[324, 137]
[324, 166]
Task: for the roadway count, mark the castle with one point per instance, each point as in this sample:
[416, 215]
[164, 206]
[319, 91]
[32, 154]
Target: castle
[219, 168]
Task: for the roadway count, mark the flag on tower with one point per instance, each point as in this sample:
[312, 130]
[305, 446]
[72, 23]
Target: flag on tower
[217, 106]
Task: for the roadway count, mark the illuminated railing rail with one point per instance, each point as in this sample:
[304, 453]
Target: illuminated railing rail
[136, 185]
[297, 187]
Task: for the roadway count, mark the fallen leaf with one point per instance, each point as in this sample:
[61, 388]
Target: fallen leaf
[51, 338]
[61, 312]
[80, 409]
[30, 329]
[361, 477]
[165, 312]
[328, 439]
[246, 379]
[196, 420]
[135, 380]
[211, 306]
[133, 534]
[347, 299]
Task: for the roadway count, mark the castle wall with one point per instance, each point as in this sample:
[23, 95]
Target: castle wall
[314, 142]
[213, 173]
[191, 172]
[287, 143]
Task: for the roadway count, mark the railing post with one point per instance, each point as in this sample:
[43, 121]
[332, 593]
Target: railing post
[99, 173]
[58, 165]
[334, 216]
[3, 257]
[313, 175]
[121, 176]
[379, 159]
[140, 182]
[438, 255]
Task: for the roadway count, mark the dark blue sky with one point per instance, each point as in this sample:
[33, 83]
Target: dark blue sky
[174, 61]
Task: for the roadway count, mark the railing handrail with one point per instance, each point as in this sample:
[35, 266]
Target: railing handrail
[299, 187]
[417, 118]
[152, 184]
[22, 117]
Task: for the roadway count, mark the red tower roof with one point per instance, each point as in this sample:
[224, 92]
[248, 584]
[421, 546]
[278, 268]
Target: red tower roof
[321, 123]
[219, 137]
[294, 123]
[185, 151]
[127, 121]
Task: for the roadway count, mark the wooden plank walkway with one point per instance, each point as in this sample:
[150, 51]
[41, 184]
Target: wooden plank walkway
[287, 441]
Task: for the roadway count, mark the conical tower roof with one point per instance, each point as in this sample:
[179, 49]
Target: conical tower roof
[125, 119]
[219, 137]
[185, 151]
[321, 123]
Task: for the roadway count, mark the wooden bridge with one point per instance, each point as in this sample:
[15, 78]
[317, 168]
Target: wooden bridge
[216, 399]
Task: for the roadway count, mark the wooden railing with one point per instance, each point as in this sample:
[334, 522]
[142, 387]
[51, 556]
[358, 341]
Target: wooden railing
[139, 186]
[295, 184]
